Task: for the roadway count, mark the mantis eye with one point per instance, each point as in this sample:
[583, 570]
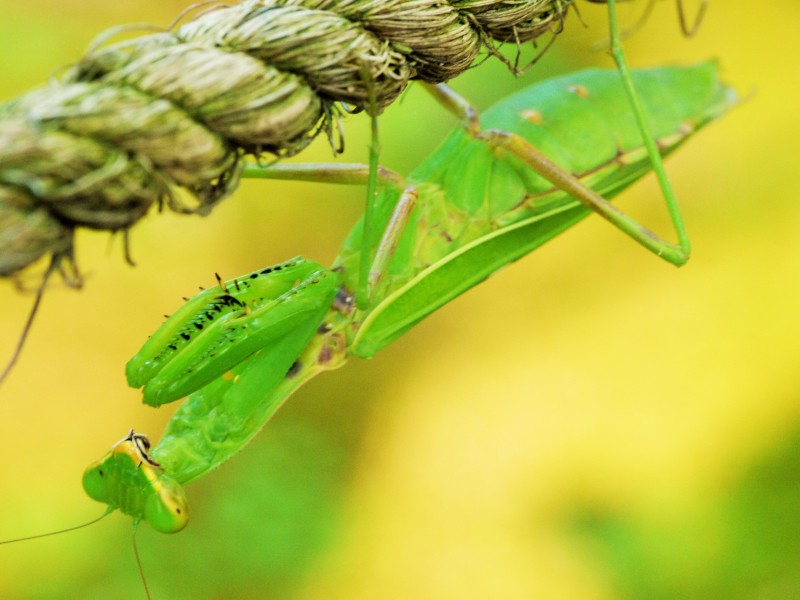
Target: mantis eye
[95, 481]
[166, 508]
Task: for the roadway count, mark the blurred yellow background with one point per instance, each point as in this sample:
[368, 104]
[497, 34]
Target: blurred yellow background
[589, 424]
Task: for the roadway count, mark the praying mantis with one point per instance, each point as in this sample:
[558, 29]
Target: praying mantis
[435, 236]
[238, 350]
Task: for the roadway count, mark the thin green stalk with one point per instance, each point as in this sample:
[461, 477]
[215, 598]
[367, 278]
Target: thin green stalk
[684, 245]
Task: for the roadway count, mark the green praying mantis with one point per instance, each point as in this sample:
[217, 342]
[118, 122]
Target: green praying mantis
[238, 350]
[527, 170]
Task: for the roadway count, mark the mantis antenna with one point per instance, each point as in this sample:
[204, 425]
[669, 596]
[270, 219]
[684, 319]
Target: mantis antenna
[139, 560]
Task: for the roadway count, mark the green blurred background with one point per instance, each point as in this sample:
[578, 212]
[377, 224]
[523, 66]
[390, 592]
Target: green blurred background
[589, 424]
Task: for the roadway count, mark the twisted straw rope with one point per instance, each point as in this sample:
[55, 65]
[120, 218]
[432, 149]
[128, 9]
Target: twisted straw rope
[132, 121]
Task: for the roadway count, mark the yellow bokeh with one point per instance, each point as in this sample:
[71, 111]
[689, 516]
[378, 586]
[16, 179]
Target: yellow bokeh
[581, 426]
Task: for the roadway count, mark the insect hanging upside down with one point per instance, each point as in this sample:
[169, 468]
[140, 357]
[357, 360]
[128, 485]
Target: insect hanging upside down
[240, 349]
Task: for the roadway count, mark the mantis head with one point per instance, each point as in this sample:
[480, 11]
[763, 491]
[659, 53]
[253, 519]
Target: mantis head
[128, 479]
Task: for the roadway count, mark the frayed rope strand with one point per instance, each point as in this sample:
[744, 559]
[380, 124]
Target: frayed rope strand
[133, 121]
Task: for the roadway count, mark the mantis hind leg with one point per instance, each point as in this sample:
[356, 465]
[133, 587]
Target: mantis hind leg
[682, 249]
[675, 253]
